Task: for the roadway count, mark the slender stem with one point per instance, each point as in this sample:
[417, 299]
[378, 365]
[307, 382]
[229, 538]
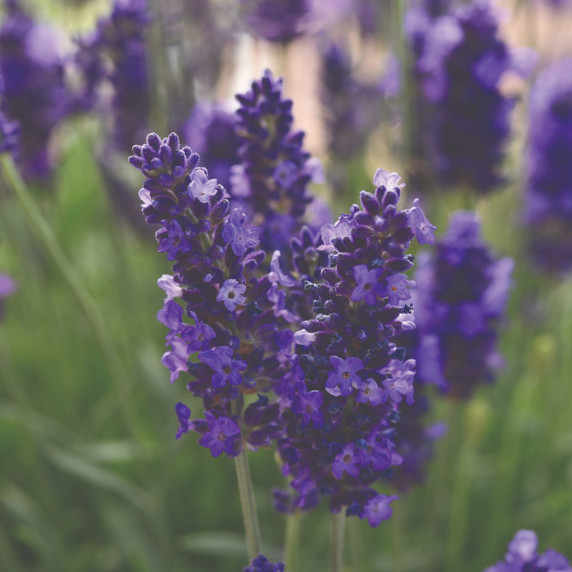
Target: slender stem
[292, 541]
[337, 540]
[248, 504]
[48, 242]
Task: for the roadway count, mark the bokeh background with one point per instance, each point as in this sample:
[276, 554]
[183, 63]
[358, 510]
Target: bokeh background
[91, 476]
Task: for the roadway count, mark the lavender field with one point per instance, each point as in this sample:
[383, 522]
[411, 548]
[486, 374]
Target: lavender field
[285, 285]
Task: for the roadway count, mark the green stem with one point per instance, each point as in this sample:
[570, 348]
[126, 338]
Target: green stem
[337, 541]
[248, 504]
[48, 242]
[292, 541]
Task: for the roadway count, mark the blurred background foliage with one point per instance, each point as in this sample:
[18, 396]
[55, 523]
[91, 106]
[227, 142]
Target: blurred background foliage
[91, 476]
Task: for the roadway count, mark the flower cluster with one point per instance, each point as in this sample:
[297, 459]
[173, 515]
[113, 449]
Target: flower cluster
[210, 132]
[522, 556]
[339, 416]
[34, 90]
[459, 61]
[272, 178]
[549, 184]
[115, 52]
[261, 564]
[277, 20]
[461, 296]
[232, 316]
[306, 320]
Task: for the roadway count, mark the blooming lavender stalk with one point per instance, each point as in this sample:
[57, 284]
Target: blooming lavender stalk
[272, 178]
[34, 91]
[115, 52]
[210, 132]
[339, 416]
[462, 114]
[522, 556]
[549, 183]
[276, 20]
[461, 296]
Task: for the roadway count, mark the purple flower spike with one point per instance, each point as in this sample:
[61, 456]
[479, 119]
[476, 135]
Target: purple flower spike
[231, 294]
[367, 284]
[344, 376]
[461, 296]
[226, 369]
[378, 509]
[223, 435]
[184, 416]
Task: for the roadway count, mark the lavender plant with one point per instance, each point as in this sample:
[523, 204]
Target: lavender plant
[548, 211]
[307, 325]
[278, 21]
[522, 556]
[33, 86]
[115, 52]
[459, 60]
[272, 177]
[461, 297]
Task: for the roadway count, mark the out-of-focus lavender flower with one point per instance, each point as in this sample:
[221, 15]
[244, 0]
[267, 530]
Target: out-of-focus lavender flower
[9, 134]
[210, 132]
[463, 118]
[7, 288]
[352, 109]
[275, 170]
[339, 432]
[115, 52]
[261, 564]
[34, 89]
[277, 20]
[549, 182]
[522, 556]
[460, 299]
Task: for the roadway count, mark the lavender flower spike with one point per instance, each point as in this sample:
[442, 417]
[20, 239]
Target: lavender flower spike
[275, 171]
[339, 434]
[217, 301]
[459, 62]
[460, 299]
[522, 556]
[549, 185]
